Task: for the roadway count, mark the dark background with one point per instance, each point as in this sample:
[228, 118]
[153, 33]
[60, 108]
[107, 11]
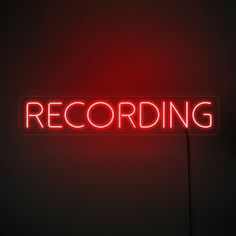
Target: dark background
[129, 185]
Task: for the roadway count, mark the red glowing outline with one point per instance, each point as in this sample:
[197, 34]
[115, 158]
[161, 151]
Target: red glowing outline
[40, 117]
[126, 115]
[53, 114]
[65, 115]
[163, 114]
[100, 126]
[140, 115]
[185, 123]
[33, 115]
[204, 114]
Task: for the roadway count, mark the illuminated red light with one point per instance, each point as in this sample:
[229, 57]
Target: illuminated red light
[162, 114]
[76, 126]
[122, 115]
[36, 115]
[93, 106]
[183, 118]
[51, 115]
[145, 126]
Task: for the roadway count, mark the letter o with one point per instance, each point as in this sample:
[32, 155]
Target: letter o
[89, 114]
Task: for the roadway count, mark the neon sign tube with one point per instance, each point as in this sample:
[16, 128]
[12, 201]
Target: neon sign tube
[87, 115]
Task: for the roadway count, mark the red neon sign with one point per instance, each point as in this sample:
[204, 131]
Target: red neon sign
[88, 115]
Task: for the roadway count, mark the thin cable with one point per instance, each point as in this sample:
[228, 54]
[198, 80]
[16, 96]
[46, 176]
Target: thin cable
[189, 180]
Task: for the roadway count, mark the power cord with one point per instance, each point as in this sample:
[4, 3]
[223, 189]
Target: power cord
[189, 180]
